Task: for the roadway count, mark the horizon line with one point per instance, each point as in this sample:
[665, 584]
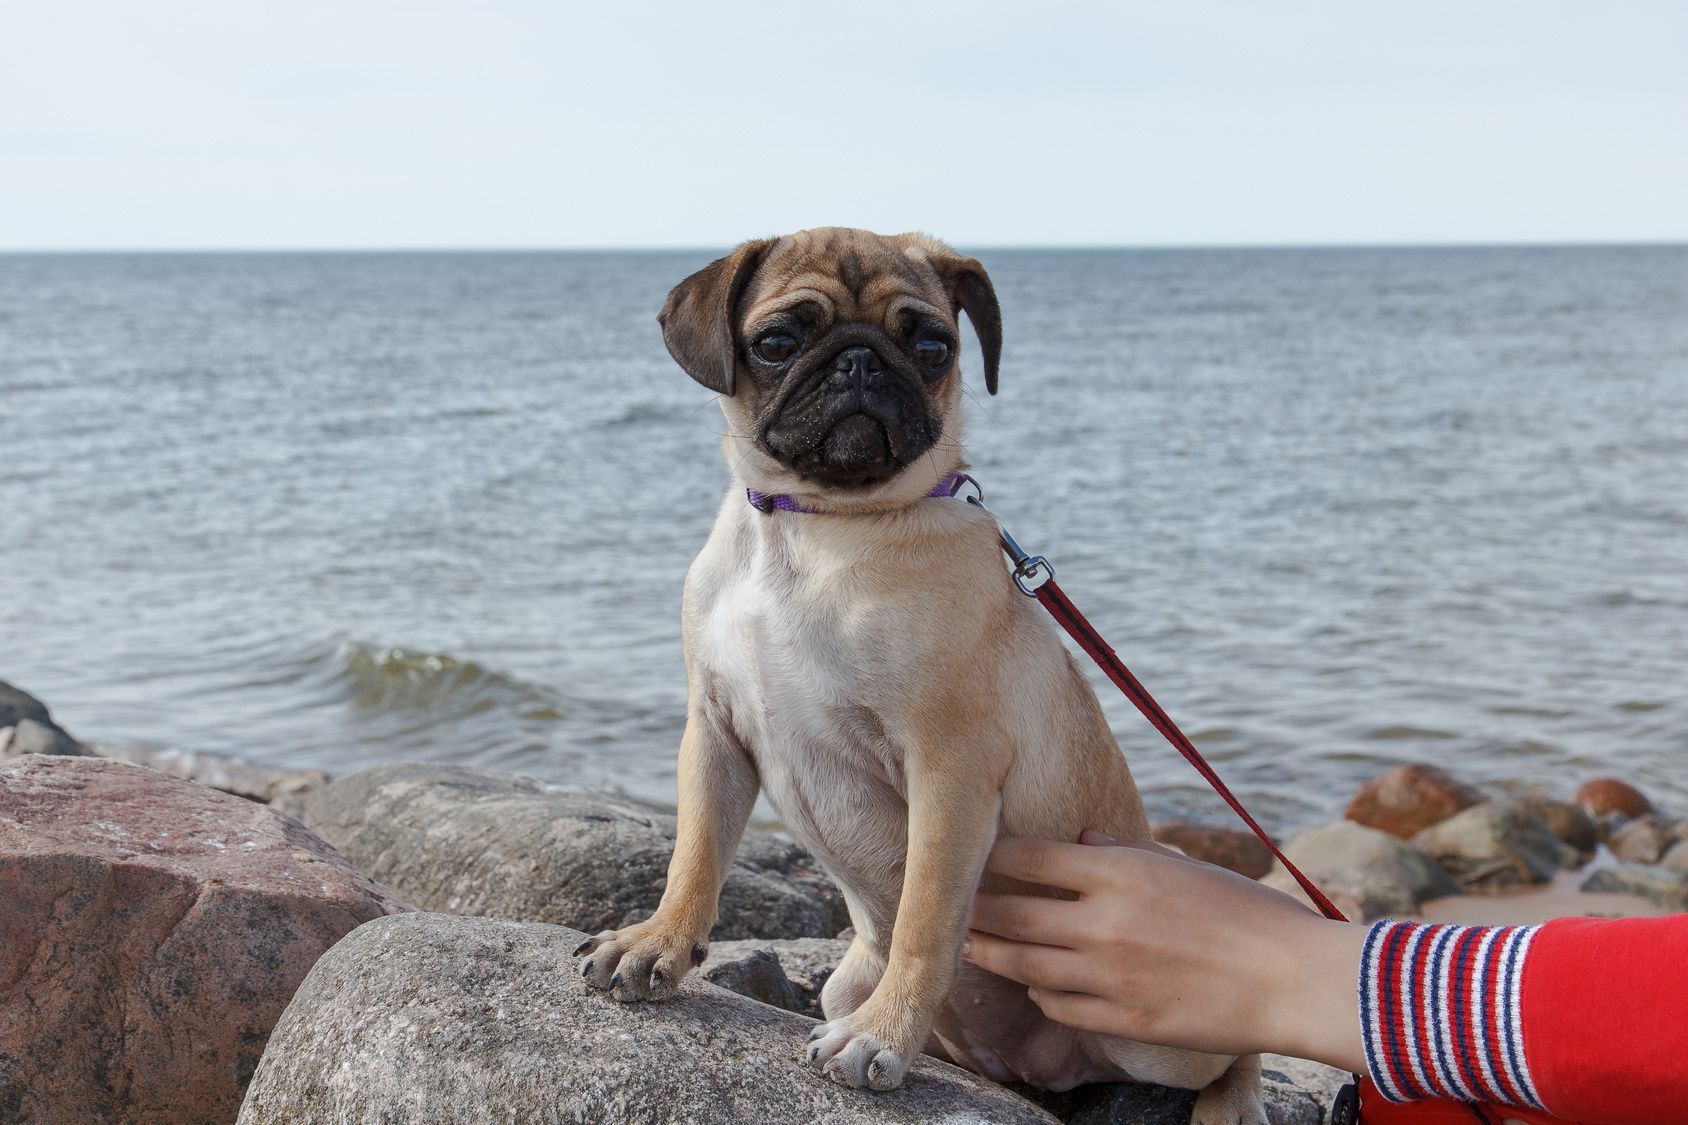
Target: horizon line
[985, 247]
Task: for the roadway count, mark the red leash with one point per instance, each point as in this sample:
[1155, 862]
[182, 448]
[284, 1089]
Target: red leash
[1055, 600]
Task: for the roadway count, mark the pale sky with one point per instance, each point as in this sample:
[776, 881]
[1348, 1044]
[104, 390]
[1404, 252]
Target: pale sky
[349, 124]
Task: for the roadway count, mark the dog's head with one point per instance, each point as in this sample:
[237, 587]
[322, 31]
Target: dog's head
[835, 353]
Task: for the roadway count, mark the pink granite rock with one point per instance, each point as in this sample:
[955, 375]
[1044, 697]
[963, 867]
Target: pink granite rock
[152, 933]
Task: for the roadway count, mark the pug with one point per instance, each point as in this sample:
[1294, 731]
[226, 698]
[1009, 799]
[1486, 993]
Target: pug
[855, 648]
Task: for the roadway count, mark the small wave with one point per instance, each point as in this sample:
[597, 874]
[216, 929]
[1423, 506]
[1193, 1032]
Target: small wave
[645, 413]
[403, 678]
[1402, 731]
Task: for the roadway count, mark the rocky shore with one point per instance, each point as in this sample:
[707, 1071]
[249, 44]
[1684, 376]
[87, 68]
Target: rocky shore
[191, 938]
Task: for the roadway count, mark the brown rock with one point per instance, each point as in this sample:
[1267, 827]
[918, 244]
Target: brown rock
[152, 933]
[1643, 840]
[1608, 795]
[1570, 823]
[1230, 848]
[1409, 799]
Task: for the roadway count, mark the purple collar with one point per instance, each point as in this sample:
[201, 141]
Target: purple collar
[949, 485]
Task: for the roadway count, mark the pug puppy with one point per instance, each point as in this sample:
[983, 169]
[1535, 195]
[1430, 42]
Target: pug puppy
[855, 649]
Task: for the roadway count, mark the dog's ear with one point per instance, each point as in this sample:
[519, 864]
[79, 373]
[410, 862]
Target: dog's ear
[972, 292]
[697, 319]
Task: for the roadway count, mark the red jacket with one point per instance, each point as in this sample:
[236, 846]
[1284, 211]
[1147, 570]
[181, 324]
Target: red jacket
[1581, 1019]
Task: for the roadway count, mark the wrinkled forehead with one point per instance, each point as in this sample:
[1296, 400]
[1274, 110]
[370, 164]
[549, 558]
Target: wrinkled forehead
[845, 277]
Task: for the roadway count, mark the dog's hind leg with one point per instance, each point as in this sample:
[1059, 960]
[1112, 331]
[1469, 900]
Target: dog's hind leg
[1234, 1098]
[853, 981]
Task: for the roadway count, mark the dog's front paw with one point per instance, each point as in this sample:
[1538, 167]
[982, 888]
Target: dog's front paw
[642, 962]
[855, 1055]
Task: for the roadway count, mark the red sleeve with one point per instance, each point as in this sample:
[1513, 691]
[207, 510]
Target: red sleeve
[1604, 1006]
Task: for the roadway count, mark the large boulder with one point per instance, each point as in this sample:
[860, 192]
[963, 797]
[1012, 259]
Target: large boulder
[1494, 846]
[151, 934]
[430, 1017]
[469, 841]
[1230, 848]
[1368, 873]
[1408, 799]
[26, 727]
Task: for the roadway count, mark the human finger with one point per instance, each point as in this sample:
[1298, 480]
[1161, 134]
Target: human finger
[1071, 867]
[1039, 966]
[1047, 921]
[1081, 1010]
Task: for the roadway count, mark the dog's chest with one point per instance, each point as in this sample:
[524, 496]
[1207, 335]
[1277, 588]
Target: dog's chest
[802, 672]
[797, 673]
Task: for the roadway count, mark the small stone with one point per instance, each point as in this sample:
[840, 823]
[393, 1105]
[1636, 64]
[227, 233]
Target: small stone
[1409, 799]
[1230, 848]
[1569, 822]
[804, 964]
[1607, 795]
[1643, 840]
[1664, 885]
[1494, 846]
[1370, 874]
[31, 736]
[755, 973]
[1677, 857]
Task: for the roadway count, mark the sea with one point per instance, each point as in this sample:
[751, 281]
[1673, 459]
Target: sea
[1337, 508]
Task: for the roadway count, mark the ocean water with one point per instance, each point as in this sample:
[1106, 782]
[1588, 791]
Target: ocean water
[1337, 508]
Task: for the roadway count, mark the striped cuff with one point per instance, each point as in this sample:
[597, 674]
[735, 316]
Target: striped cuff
[1439, 1006]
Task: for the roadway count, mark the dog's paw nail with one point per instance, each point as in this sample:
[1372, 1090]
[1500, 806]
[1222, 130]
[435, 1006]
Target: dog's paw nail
[659, 979]
[817, 1031]
[584, 946]
[586, 969]
[699, 952]
[814, 1053]
[615, 981]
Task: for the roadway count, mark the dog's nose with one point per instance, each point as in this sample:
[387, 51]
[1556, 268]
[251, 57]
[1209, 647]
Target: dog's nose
[857, 365]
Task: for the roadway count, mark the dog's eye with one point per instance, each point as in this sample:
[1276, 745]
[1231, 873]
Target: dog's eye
[933, 353]
[776, 347]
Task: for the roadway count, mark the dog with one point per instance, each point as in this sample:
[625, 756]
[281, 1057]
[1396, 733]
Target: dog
[854, 648]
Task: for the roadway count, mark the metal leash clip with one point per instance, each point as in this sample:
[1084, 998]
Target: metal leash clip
[1026, 567]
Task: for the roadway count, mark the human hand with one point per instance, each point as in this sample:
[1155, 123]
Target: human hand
[1163, 949]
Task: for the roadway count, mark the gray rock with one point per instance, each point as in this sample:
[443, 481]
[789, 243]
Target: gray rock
[1664, 885]
[428, 1018]
[1494, 846]
[1369, 873]
[16, 704]
[33, 737]
[1677, 858]
[1644, 839]
[234, 775]
[31, 728]
[1298, 1092]
[469, 841]
[802, 966]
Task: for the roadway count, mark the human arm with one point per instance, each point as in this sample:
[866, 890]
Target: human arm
[1579, 1016]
